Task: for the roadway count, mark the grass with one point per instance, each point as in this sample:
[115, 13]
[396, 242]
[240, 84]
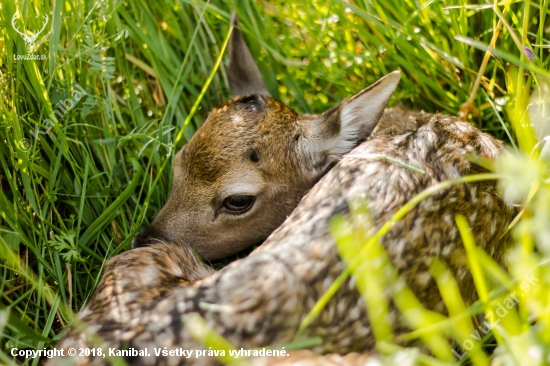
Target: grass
[76, 195]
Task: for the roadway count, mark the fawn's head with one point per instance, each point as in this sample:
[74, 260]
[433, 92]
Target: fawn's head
[253, 159]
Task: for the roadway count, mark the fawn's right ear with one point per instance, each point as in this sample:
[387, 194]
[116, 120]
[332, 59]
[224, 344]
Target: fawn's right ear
[338, 130]
[243, 73]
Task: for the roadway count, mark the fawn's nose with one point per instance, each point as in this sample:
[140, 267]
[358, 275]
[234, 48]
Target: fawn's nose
[147, 237]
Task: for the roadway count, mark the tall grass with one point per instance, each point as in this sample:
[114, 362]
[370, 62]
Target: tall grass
[75, 196]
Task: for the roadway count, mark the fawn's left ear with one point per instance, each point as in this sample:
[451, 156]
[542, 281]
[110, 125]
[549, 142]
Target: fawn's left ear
[341, 128]
[243, 73]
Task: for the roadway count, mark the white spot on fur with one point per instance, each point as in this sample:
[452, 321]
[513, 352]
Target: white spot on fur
[447, 249]
[473, 192]
[400, 247]
[149, 275]
[326, 283]
[342, 307]
[345, 342]
[417, 232]
[454, 232]
[493, 228]
[452, 172]
[124, 282]
[490, 148]
[251, 323]
[461, 127]
[84, 313]
[93, 328]
[354, 313]
[423, 278]
[331, 312]
[174, 269]
[363, 331]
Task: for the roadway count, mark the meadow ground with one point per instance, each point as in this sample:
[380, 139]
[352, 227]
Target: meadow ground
[141, 76]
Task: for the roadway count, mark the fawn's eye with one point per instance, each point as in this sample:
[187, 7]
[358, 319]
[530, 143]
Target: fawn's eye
[238, 204]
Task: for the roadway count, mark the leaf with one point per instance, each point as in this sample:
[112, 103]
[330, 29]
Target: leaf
[65, 244]
[88, 105]
[13, 241]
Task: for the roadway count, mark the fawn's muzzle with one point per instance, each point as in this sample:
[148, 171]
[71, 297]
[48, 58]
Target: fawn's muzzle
[147, 237]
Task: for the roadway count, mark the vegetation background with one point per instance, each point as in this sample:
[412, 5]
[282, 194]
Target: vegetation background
[72, 195]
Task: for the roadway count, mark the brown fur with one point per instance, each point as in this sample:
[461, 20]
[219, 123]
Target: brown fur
[218, 156]
[135, 280]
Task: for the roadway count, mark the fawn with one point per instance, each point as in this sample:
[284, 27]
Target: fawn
[253, 159]
[149, 297]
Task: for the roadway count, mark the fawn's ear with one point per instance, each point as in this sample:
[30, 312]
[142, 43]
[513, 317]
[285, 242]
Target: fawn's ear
[341, 128]
[243, 73]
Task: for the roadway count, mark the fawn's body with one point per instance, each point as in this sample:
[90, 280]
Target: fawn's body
[262, 299]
